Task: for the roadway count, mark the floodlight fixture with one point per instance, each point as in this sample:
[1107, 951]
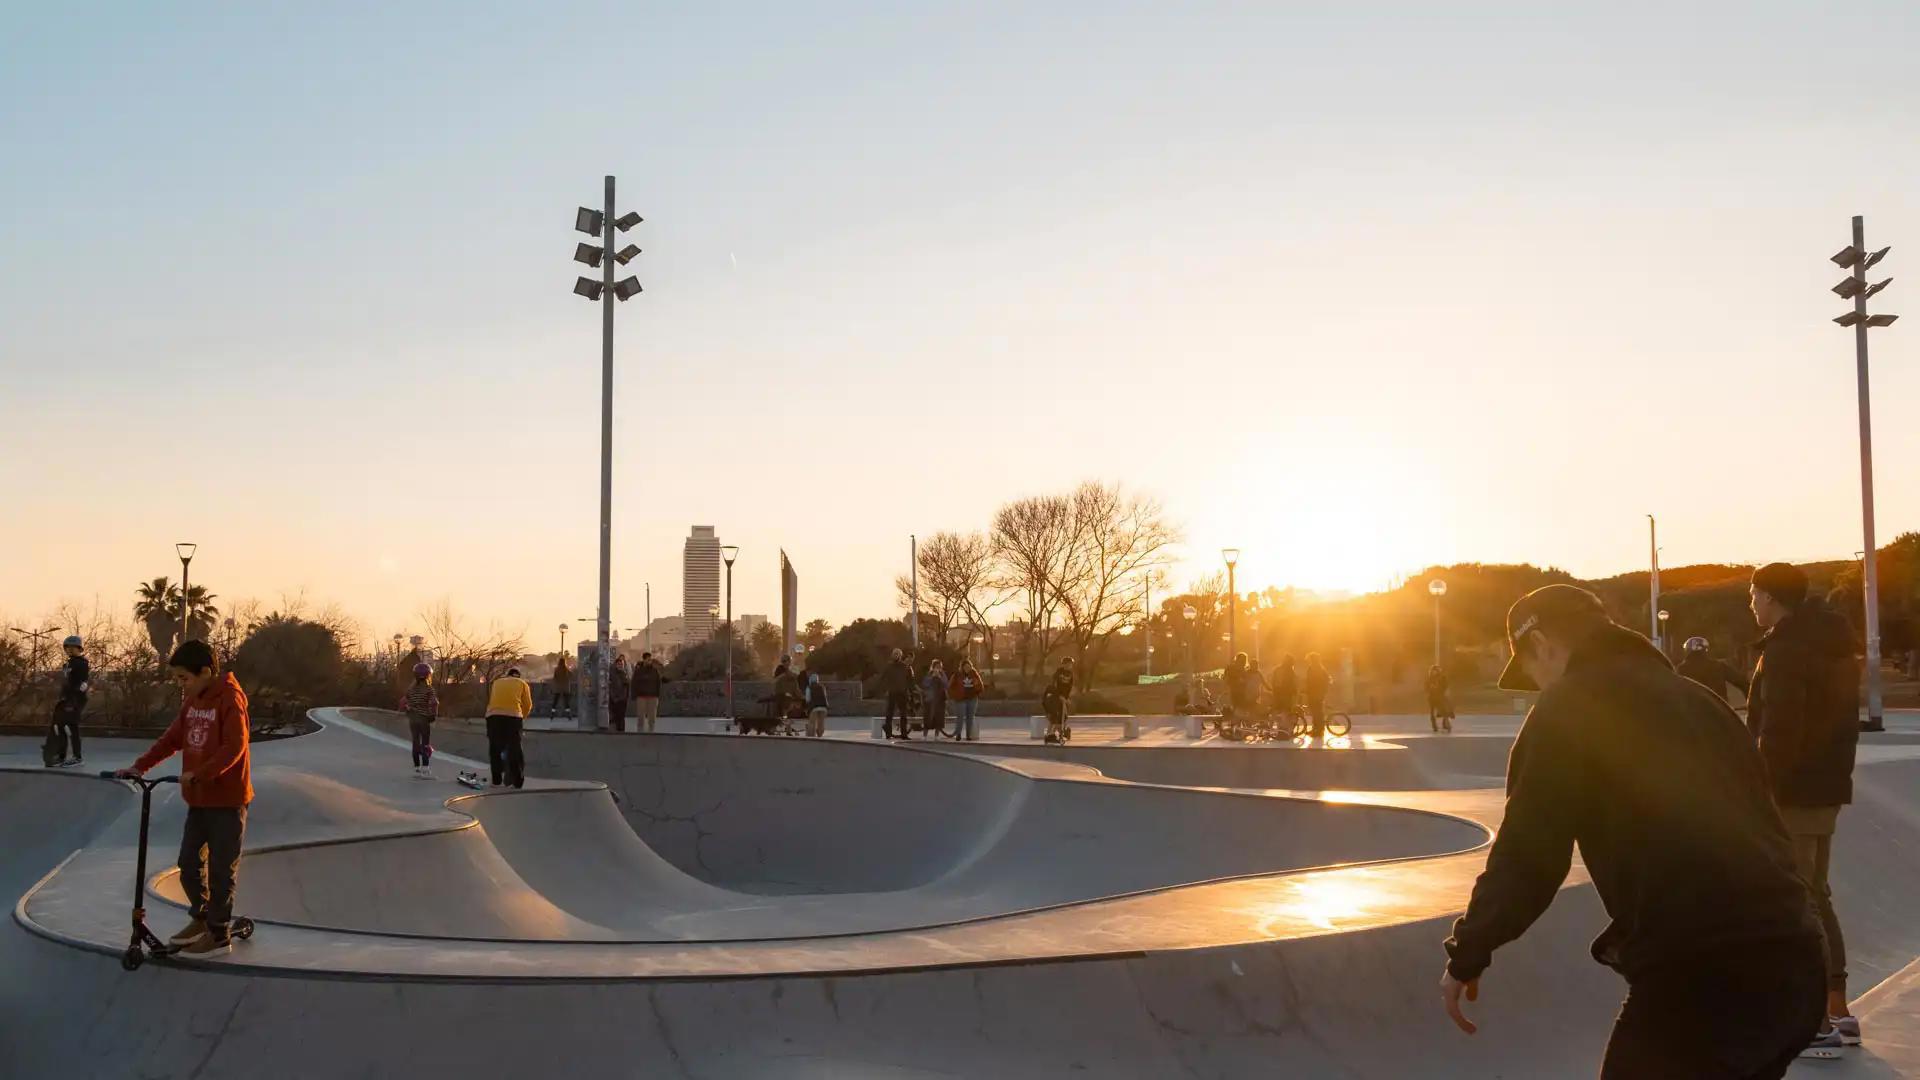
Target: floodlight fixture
[591, 254]
[588, 288]
[730, 553]
[625, 255]
[1871, 289]
[1875, 257]
[589, 221]
[1849, 288]
[627, 221]
[1881, 320]
[1850, 318]
[185, 550]
[1437, 588]
[627, 289]
[1231, 555]
[1847, 256]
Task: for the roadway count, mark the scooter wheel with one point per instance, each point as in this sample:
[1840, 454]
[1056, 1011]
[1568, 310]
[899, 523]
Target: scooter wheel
[132, 958]
[243, 929]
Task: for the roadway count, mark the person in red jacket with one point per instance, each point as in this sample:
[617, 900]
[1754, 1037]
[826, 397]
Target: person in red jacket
[210, 735]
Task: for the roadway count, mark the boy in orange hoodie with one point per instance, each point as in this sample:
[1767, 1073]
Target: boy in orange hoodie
[210, 734]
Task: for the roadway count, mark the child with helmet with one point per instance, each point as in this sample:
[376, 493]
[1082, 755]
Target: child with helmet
[422, 706]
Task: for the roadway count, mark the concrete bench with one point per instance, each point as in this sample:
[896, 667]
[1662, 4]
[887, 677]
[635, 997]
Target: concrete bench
[1196, 725]
[1129, 725]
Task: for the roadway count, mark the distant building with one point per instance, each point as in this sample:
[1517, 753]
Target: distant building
[745, 625]
[789, 604]
[700, 585]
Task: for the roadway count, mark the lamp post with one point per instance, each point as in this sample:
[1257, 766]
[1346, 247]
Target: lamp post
[1662, 619]
[976, 637]
[35, 636]
[1857, 259]
[185, 551]
[1189, 613]
[730, 553]
[1232, 555]
[1146, 617]
[602, 223]
[563, 639]
[1653, 580]
[1436, 588]
[229, 640]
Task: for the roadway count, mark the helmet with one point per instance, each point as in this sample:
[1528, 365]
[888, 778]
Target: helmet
[1696, 644]
[72, 642]
[422, 670]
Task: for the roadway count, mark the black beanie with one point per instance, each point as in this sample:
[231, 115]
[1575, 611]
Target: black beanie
[1784, 582]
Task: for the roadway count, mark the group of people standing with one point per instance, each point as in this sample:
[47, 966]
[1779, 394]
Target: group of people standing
[936, 689]
[1284, 690]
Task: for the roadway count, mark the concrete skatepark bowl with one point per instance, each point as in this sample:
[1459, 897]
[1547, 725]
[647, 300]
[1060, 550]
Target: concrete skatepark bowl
[718, 906]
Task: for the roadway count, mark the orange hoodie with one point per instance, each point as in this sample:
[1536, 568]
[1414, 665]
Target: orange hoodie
[210, 734]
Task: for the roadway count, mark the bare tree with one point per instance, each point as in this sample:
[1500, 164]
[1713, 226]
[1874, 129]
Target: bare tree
[467, 653]
[1033, 541]
[958, 581]
[1118, 539]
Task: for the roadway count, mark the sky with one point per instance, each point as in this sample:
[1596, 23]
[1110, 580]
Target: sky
[1356, 288]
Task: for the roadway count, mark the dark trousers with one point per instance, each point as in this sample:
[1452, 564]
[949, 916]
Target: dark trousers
[562, 703]
[617, 713]
[421, 728]
[66, 729]
[1737, 1015]
[936, 716]
[897, 701]
[504, 758]
[210, 862]
[1318, 710]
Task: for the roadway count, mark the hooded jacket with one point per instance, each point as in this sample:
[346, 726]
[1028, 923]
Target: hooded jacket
[1804, 708]
[896, 677]
[210, 735]
[1652, 775]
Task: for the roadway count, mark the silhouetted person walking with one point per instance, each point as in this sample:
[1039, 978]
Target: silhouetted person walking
[1317, 682]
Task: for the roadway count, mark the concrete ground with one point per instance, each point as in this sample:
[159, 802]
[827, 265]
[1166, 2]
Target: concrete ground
[722, 906]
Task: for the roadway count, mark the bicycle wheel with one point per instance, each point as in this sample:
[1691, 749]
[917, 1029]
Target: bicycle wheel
[1302, 723]
[1339, 723]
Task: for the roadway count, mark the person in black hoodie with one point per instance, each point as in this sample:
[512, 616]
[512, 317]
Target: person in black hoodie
[1804, 712]
[1655, 780]
[896, 682]
[1715, 675]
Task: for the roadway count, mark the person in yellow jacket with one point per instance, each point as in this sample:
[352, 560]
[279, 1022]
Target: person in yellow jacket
[509, 702]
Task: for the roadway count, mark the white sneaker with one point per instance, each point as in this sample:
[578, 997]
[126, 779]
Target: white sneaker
[1826, 1046]
[1848, 1028]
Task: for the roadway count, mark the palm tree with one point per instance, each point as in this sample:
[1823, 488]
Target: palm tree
[201, 612]
[159, 606]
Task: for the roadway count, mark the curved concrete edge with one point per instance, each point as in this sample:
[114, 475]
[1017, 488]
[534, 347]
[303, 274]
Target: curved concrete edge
[553, 787]
[1295, 904]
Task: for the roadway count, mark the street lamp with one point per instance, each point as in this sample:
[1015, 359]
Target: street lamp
[1436, 588]
[978, 639]
[1663, 617]
[602, 223]
[1232, 555]
[1856, 258]
[1188, 613]
[730, 553]
[563, 639]
[185, 551]
[229, 640]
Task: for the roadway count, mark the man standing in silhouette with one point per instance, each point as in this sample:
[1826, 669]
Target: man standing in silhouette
[1662, 790]
[1804, 711]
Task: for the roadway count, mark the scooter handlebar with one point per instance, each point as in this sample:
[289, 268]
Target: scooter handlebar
[147, 782]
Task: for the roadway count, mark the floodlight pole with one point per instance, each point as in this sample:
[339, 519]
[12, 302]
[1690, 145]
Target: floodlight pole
[602, 659]
[1653, 580]
[1869, 569]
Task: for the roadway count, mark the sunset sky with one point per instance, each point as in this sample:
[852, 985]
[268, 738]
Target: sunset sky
[1357, 288]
